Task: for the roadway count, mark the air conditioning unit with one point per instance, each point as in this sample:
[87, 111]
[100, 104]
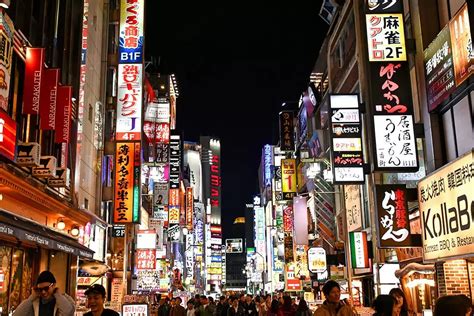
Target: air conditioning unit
[46, 168]
[28, 154]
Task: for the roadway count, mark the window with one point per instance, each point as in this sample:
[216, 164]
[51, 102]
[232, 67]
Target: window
[91, 113]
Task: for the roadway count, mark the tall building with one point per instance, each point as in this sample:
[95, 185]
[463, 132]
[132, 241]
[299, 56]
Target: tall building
[51, 142]
[235, 256]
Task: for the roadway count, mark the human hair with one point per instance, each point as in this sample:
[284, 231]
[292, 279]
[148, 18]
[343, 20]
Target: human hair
[302, 306]
[275, 305]
[286, 303]
[398, 292]
[383, 305]
[453, 305]
[329, 285]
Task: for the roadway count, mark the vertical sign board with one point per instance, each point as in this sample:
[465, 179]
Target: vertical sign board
[130, 71]
[392, 216]
[131, 38]
[63, 114]
[48, 99]
[359, 250]
[127, 184]
[317, 260]
[438, 59]
[174, 206]
[300, 222]
[268, 161]
[346, 134]
[7, 136]
[288, 178]
[352, 199]
[461, 37]
[446, 203]
[34, 65]
[391, 99]
[287, 141]
[6, 51]
[215, 181]
[189, 208]
[175, 160]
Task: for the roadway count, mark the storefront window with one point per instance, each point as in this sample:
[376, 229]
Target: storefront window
[462, 117]
[449, 136]
[5, 256]
[16, 277]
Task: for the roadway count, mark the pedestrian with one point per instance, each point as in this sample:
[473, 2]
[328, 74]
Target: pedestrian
[384, 305]
[235, 309]
[453, 305]
[176, 308]
[190, 311]
[212, 306]
[274, 307]
[95, 301]
[303, 309]
[222, 306]
[286, 309]
[401, 305]
[46, 299]
[249, 306]
[162, 307]
[333, 306]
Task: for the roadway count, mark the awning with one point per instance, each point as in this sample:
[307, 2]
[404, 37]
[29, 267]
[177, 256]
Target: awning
[29, 231]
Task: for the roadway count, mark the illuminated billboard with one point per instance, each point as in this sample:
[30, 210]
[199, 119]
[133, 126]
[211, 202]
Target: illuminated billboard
[234, 245]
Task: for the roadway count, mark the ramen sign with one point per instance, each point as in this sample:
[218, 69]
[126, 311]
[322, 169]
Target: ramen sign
[446, 200]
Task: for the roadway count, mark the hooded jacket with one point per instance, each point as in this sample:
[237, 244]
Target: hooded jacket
[64, 306]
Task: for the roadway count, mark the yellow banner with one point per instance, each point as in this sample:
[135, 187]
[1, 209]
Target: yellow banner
[446, 202]
[288, 175]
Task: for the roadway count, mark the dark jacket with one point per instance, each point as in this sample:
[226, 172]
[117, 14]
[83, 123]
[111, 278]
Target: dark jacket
[250, 309]
[232, 312]
[177, 311]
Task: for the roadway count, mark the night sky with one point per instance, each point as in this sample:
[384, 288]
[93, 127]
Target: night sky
[236, 62]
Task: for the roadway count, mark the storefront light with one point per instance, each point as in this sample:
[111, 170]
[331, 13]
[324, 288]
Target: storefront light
[75, 231]
[60, 224]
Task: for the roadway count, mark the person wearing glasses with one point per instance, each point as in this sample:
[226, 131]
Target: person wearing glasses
[95, 301]
[46, 299]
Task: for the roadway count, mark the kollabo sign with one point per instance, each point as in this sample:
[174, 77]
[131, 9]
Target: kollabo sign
[446, 202]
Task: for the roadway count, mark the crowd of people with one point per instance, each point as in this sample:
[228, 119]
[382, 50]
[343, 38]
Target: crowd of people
[47, 300]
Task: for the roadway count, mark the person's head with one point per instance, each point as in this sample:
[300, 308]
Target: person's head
[204, 300]
[95, 298]
[332, 291]
[242, 298]
[302, 306]
[453, 305]
[235, 302]
[286, 302]
[162, 301]
[384, 305]
[173, 301]
[45, 285]
[293, 301]
[211, 300]
[275, 305]
[190, 304]
[222, 299]
[248, 299]
[399, 297]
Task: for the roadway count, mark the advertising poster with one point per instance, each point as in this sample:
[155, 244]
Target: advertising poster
[317, 260]
[446, 203]
[359, 250]
[6, 52]
[135, 310]
[234, 245]
[288, 178]
[352, 198]
[461, 38]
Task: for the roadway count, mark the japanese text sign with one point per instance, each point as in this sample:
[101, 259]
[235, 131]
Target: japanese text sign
[359, 250]
[439, 69]
[129, 102]
[288, 218]
[135, 309]
[288, 178]
[386, 37]
[175, 160]
[146, 259]
[317, 260]
[353, 204]
[446, 203]
[395, 141]
[384, 6]
[127, 173]
[48, 100]
[392, 216]
[7, 136]
[6, 52]
[287, 141]
[346, 132]
[189, 208]
[131, 38]
[63, 114]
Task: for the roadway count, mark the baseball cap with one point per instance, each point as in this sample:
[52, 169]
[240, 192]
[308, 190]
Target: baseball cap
[95, 289]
